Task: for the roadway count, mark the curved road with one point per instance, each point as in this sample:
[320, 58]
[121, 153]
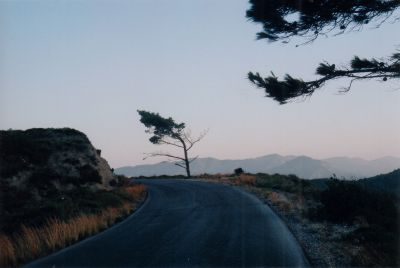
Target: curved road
[189, 223]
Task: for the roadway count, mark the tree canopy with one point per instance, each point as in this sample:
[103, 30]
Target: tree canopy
[160, 127]
[284, 19]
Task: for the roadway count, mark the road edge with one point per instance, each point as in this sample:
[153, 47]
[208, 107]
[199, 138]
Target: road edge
[139, 207]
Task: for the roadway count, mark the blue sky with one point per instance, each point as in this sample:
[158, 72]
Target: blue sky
[90, 65]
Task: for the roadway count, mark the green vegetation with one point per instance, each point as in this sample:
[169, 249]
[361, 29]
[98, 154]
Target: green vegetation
[38, 158]
[346, 202]
[20, 149]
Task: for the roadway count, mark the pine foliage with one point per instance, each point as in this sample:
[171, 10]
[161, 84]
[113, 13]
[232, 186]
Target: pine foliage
[309, 19]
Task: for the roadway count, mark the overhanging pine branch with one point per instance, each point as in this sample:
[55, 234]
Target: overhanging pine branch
[281, 19]
[360, 69]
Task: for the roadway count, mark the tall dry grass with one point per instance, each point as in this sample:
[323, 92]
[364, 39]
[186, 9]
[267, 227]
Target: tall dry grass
[7, 251]
[135, 191]
[246, 179]
[33, 242]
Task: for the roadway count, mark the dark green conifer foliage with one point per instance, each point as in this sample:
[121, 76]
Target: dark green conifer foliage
[309, 19]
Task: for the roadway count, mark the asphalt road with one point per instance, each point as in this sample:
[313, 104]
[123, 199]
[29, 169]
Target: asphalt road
[189, 223]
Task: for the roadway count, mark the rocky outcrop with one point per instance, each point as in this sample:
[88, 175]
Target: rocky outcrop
[62, 158]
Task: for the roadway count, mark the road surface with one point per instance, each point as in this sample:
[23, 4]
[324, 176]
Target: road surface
[189, 223]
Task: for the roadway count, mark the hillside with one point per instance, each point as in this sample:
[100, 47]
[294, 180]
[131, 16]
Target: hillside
[302, 166]
[66, 155]
[385, 182]
[47, 172]
[389, 183]
[338, 223]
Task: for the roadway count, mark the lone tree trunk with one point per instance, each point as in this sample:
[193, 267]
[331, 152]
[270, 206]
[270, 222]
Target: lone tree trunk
[187, 162]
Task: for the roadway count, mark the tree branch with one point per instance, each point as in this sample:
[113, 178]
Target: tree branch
[192, 142]
[162, 154]
[193, 159]
[279, 18]
[179, 165]
[170, 143]
[360, 69]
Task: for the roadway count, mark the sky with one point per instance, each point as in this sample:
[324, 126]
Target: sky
[90, 65]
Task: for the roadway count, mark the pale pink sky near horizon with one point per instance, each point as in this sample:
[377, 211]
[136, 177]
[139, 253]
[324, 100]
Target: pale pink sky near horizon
[90, 65]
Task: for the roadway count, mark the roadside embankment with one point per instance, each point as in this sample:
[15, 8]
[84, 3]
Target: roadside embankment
[56, 189]
[344, 224]
[28, 243]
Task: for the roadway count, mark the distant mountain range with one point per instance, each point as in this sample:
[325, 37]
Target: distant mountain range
[302, 166]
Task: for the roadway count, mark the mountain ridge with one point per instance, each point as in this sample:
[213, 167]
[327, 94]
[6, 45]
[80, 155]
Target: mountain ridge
[303, 166]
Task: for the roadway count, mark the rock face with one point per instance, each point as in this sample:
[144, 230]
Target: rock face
[62, 158]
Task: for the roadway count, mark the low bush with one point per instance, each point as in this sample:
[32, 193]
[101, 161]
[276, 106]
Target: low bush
[346, 202]
[238, 171]
[381, 248]
[89, 174]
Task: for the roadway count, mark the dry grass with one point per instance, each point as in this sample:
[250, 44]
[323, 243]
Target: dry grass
[7, 251]
[246, 179]
[135, 191]
[242, 179]
[33, 242]
[217, 178]
[280, 201]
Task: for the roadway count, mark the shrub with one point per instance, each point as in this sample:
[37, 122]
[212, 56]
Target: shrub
[123, 181]
[380, 247]
[113, 183]
[238, 171]
[22, 149]
[89, 174]
[346, 202]
[42, 177]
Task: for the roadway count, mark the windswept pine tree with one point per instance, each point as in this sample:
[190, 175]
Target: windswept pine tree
[167, 131]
